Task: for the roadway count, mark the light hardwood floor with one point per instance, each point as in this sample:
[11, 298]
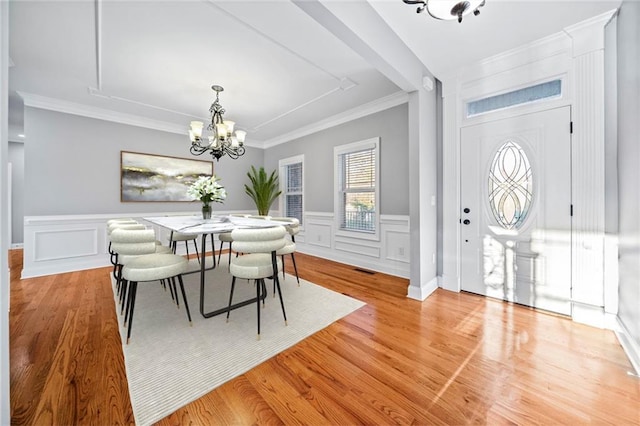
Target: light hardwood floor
[455, 358]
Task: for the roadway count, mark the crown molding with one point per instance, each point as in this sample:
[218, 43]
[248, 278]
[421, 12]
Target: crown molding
[588, 35]
[390, 101]
[58, 105]
[67, 107]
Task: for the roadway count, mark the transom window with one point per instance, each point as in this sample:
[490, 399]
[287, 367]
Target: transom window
[292, 185]
[543, 91]
[357, 187]
[510, 185]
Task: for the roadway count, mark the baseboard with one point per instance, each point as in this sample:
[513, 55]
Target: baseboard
[391, 268]
[17, 245]
[422, 292]
[629, 345]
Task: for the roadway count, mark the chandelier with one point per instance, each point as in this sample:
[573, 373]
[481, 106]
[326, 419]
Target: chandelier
[448, 9]
[222, 140]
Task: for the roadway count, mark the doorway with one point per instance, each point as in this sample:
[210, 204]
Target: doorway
[516, 209]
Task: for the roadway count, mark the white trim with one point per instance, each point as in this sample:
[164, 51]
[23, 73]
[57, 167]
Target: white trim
[575, 55]
[630, 346]
[52, 104]
[424, 291]
[373, 107]
[282, 164]
[373, 144]
[83, 110]
[46, 260]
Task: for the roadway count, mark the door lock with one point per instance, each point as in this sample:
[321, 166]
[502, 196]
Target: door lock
[466, 221]
[466, 210]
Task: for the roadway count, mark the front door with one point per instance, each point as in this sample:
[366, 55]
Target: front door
[516, 209]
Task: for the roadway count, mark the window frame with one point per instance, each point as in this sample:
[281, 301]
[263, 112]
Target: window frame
[338, 151]
[282, 167]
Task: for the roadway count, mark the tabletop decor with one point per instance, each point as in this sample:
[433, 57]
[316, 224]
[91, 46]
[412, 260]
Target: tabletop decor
[158, 178]
[207, 190]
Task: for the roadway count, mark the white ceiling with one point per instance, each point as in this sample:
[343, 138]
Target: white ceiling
[283, 68]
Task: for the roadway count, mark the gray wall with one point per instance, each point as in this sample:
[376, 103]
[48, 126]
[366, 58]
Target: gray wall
[390, 125]
[628, 166]
[72, 165]
[16, 158]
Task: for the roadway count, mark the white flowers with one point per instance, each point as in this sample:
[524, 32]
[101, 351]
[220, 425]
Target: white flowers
[207, 189]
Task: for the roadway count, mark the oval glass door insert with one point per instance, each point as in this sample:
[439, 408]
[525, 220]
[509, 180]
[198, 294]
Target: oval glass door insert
[510, 185]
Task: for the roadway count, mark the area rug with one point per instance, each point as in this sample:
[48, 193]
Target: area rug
[170, 363]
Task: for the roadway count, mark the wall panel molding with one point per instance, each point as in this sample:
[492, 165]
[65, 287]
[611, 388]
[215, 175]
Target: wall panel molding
[66, 243]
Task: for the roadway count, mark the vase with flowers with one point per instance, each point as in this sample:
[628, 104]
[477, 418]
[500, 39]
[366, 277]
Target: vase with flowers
[207, 189]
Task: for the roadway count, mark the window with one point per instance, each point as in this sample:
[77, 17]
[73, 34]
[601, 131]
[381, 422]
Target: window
[538, 92]
[357, 199]
[510, 186]
[292, 185]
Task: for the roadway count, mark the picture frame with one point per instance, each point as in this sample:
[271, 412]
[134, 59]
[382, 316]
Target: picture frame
[158, 178]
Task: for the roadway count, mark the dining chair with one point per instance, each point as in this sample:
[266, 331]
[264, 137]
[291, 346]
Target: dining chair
[176, 236]
[140, 262]
[292, 225]
[225, 237]
[259, 262]
[123, 254]
[122, 224]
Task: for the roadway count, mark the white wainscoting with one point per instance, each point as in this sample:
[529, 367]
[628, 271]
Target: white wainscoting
[59, 244]
[390, 255]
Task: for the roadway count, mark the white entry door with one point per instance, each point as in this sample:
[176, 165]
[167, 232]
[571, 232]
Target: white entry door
[516, 209]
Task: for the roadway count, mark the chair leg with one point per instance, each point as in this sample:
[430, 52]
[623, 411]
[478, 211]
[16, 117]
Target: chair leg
[195, 245]
[124, 297]
[274, 262]
[126, 304]
[258, 291]
[284, 314]
[134, 290]
[283, 278]
[213, 251]
[233, 286]
[219, 251]
[171, 291]
[184, 297]
[295, 268]
[186, 246]
[172, 283]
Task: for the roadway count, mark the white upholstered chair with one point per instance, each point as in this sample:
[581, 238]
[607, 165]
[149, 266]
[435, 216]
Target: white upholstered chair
[225, 237]
[140, 262]
[176, 236]
[292, 226]
[258, 262]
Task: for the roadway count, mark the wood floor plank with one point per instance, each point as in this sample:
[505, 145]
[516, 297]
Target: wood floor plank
[455, 358]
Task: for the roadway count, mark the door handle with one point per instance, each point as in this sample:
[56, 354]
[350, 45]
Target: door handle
[466, 210]
[466, 221]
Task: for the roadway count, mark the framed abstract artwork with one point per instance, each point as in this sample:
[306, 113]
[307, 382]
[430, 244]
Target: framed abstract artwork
[158, 178]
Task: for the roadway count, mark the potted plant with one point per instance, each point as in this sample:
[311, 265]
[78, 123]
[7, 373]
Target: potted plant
[207, 190]
[263, 190]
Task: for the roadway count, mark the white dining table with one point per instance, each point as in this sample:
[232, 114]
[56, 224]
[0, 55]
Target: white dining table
[196, 225]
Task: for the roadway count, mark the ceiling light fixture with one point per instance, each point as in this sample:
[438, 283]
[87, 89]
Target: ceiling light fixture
[223, 139]
[448, 9]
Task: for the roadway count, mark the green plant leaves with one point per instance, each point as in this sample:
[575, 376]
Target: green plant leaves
[263, 190]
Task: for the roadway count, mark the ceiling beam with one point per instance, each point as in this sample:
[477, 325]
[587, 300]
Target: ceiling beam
[360, 27]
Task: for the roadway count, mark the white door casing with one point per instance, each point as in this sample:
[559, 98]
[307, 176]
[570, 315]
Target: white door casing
[523, 255]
